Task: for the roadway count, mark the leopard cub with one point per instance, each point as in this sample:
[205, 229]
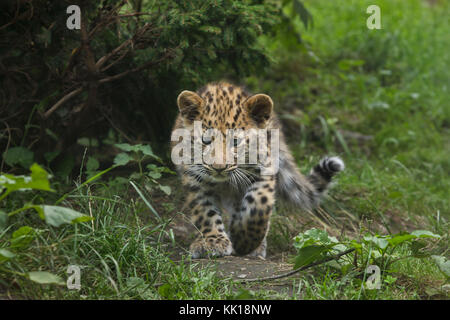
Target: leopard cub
[244, 190]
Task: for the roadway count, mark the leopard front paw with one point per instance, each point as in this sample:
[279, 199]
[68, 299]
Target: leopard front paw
[210, 247]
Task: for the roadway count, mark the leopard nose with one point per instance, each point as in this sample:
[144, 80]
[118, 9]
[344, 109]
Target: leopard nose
[219, 167]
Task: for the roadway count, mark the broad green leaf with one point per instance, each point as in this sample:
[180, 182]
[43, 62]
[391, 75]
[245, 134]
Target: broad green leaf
[92, 164]
[308, 255]
[6, 255]
[56, 216]
[122, 159]
[311, 237]
[83, 142]
[38, 180]
[127, 147]
[400, 238]
[44, 277]
[425, 234]
[147, 150]
[88, 142]
[18, 156]
[380, 242]
[154, 174]
[318, 235]
[22, 237]
[443, 263]
[166, 189]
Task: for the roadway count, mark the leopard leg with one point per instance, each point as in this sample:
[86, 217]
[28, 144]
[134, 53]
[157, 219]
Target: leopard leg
[260, 252]
[212, 241]
[250, 224]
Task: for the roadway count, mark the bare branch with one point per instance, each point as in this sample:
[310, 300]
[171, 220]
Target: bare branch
[62, 101]
[290, 273]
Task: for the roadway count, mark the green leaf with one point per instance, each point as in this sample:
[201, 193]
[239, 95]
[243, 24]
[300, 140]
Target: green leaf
[379, 242]
[18, 156]
[425, 234]
[6, 255]
[38, 180]
[44, 277]
[166, 189]
[313, 237]
[147, 150]
[443, 263]
[154, 174]
[88, 142]
[83, 142]
[22, 237]
[56, 216]
[308, 255]
[400, 238]
[122, 159]
[127, 147]
[92, 164]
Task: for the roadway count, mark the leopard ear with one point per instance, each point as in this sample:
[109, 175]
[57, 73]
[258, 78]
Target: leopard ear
[189, 104]
[260, 108]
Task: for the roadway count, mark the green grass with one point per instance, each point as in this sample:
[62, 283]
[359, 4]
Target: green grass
[389, 86]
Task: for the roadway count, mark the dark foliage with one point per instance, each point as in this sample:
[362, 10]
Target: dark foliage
[122, 70]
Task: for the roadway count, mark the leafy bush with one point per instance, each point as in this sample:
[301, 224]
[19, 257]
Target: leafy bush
[314, 245]
[125, 66]
[22, 237]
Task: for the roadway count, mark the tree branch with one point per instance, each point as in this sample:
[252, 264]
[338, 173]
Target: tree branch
[62, 101]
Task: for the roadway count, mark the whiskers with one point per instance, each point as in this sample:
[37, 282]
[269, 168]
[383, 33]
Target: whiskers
[198, 172]
[241, 178]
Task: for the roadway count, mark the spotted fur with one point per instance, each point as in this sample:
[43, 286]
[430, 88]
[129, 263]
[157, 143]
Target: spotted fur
[241, 191]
